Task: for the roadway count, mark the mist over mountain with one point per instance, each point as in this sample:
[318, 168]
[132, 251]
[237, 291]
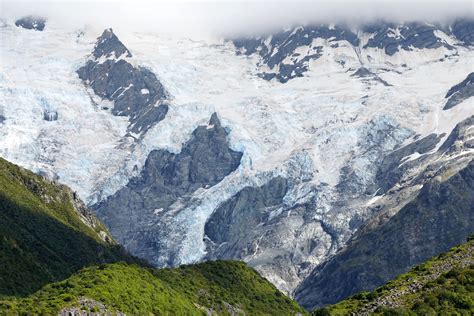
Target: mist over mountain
[231, 18]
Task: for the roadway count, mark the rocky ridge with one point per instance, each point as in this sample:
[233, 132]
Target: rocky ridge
[460, 92]
[432, 220]
[289, 54]
[167, 180]
[135, 92]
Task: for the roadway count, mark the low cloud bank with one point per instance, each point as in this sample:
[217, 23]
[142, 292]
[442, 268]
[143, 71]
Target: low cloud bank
[231, 18]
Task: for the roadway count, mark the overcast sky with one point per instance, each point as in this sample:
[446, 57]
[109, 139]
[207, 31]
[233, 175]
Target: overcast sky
[229, 17]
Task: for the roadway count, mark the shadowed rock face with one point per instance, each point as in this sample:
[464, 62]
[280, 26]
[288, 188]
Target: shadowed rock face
[109, 45]
[440, 217]
[391, 37]
[256, 225]
[460, 92]
[392, 167]
[203, 161]
[285, 240]
[166, 178]
[231, 228]
[135, 91]
[31, 23]
[463, 30]
[458, 133]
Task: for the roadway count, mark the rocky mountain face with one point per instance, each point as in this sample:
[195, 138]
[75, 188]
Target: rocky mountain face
[136, 214]
[393, 38]
[226, 228]
[287, 55]
[58, 259]
[439, 217]
[135, 91]
[462, 30]
[278, 48]
[460, 92]
[321, 134]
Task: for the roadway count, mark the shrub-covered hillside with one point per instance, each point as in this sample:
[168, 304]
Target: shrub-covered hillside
[222, 287]
[46, 233]
[443, 285]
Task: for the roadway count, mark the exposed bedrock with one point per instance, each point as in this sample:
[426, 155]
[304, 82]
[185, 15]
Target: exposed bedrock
[440, 217]
[135, 214]
[135, 92]
[288, 54]
[460, 92]
[411, 225]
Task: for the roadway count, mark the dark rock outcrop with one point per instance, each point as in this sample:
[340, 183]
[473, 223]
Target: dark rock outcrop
[460, 92]
[282, 45]
[287, 54]
[88, 307]
[257, 226]
[31, 23]
[233, 223]
[50, 116]
[136, 91]
[440, 217]
[393, 167]
[463, 30]
[392, 37]
[109, 45]
[166, 177]
[459, 136]
[396, 163]
[365, 73]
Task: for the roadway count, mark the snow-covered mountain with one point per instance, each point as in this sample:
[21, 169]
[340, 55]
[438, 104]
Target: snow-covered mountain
[274, 150]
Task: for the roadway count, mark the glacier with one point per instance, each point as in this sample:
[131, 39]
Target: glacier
[306, 130]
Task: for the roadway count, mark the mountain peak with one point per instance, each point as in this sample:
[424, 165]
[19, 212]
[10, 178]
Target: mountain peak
[214, 121]
[109, 45]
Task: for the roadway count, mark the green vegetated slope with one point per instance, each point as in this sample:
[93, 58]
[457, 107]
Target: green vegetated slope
[56, 257]
[443, 285]
[46, 234]
[222, 287]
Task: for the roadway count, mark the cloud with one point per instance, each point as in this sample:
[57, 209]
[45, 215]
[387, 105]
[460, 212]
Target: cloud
[225, 18]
